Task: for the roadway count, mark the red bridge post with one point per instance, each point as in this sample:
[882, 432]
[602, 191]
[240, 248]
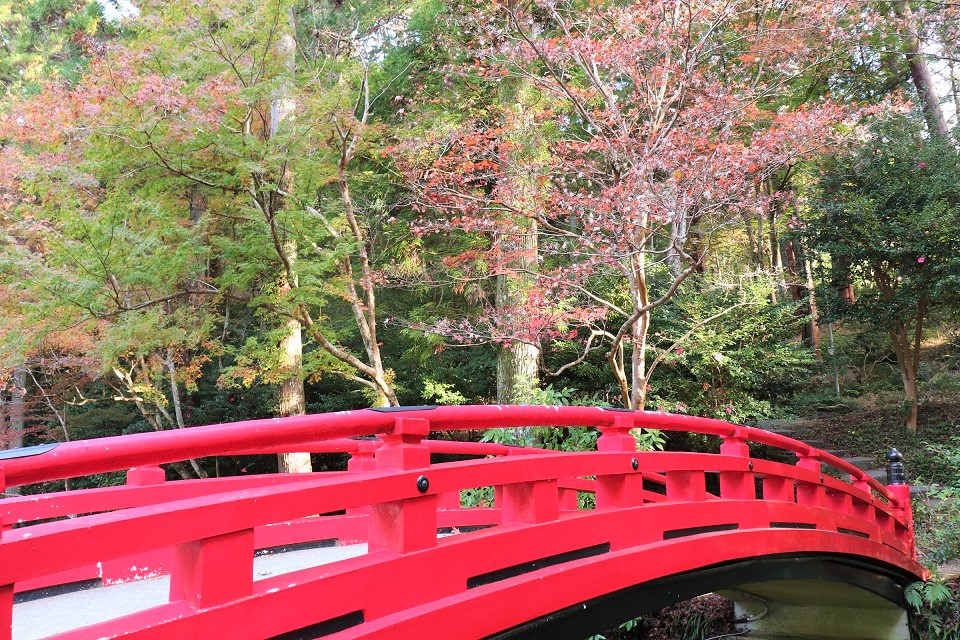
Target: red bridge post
[531, 502]
[737, 485]
[6, 611]
[145, 476]
[213, 571]
[623, 489]
[6, 590]
[363, 460]
[810, 493]
[4, 526]
[407, 525]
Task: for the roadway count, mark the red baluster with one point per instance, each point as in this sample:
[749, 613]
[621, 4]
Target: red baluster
[810, 493]
[686, 486]
[897, 485]
[737, 485]
[213, 571]
[6, 611]
[407, 525]
[145, 476]
[363, 460]
[569, 499]
[622, 489]
[779, 489]
[531, 502]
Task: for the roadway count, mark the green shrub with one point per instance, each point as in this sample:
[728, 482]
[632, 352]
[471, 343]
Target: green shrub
[935, 611]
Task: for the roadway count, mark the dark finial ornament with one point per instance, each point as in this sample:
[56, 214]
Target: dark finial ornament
[895, 471]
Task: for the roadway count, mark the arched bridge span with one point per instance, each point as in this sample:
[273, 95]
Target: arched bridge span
[567, 544]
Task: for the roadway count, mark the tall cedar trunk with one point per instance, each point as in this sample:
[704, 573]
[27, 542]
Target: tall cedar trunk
[637, 399]
[518, 364]
[954, 86]
[814, 326]
[776, 257]
[16, 414]
[291, 393]
[920, 72]
[800, 287]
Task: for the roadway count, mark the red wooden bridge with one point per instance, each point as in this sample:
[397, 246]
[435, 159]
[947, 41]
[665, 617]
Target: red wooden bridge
[782, 539]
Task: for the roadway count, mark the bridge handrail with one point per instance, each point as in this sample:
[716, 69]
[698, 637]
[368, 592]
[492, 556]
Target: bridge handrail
[80, 458]
[94, 456]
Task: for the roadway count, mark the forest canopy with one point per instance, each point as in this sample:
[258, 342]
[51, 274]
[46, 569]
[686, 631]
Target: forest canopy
[229, 209]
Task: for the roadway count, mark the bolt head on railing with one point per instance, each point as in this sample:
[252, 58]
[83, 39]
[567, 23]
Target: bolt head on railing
[895, 470]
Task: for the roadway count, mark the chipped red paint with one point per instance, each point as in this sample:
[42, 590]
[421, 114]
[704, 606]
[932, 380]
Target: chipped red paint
[654, 517]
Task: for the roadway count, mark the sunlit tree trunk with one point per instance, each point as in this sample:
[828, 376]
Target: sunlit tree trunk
[291, 394]
[18, 394]
[814, 326]
[518, 364]
[920, 72]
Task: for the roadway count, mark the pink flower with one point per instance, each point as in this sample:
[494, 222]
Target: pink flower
[679, 352]
[649, 387]
[922, 165]
[728, 410]
[921, 259]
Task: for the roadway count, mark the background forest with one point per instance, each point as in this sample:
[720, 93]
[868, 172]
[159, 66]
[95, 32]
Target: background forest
[223, 210]
[214, 210]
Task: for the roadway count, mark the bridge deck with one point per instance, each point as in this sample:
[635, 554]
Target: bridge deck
[37, 615]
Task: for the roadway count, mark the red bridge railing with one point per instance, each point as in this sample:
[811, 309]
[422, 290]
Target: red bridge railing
[205, 533]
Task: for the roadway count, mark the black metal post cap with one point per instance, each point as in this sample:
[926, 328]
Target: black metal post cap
[635, 464]
[896, 474]
[423, 484]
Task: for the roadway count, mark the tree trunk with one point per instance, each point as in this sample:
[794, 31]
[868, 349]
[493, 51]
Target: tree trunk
[920, 73]
[800, 287]
[776, 256]
[906, 346]
[954, 86]
[17, 415]
[814, 326]
[178, 408]
[913, 403]
[748, 226]
[638, 363]
[291, 393]
[518, 364]
[292, 400]
[637, 399]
